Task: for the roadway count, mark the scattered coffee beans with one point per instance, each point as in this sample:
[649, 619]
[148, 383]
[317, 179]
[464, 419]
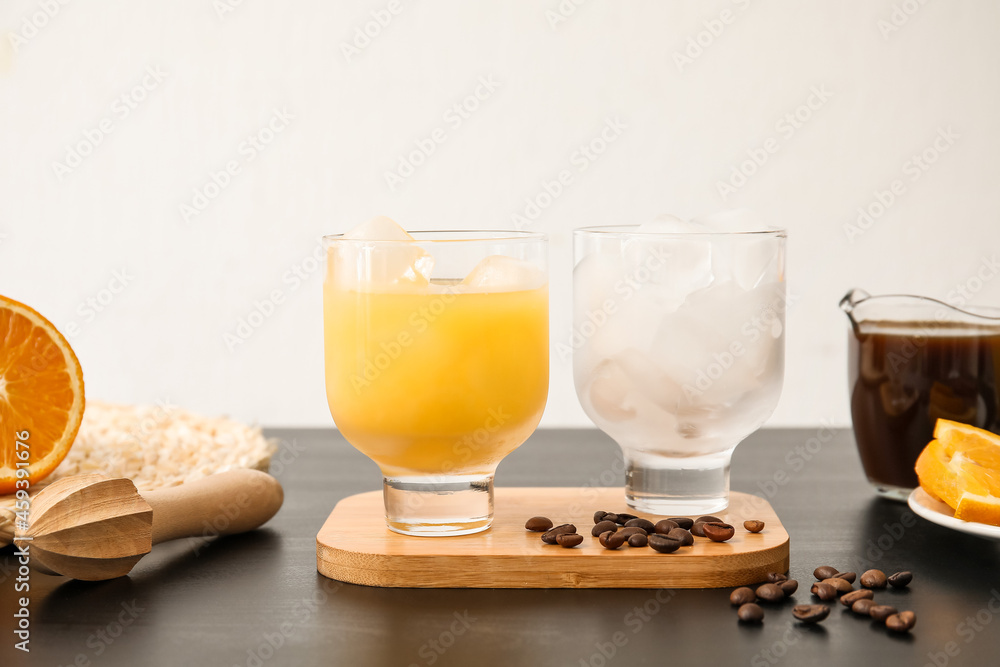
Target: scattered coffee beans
[682, 522]
[850, 598]
[750, 613]
[638, 540]
[863, 606]
[538, 524]
[599, 516]
[629, 531]
[754, 526]
[602, 527]
[664, 526]
[683, 536]
[880, 612]
[697, 528]
[900, 579]
[770, 593]
[663, 544]
[824, 572]
[823, 590]
[810, 613]
[776, 577]
[611, 540]
[901, 622]
[569, 540]
[873, 579]
[849, 577]
[549, 537]
[742, 595]
[788, 587]
[840, 585]
[718, 531]
[638, 522]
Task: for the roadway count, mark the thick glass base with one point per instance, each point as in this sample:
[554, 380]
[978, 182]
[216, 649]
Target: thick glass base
[890, 492]
[677, 486]
[438, 506]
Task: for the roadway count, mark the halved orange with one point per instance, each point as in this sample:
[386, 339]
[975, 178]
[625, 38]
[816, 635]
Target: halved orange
[961, 466]
[41, 395]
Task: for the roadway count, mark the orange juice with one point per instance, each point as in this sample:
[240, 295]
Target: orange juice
[439, 380]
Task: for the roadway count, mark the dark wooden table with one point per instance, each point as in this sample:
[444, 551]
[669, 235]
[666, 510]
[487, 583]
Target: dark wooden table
[256, 599]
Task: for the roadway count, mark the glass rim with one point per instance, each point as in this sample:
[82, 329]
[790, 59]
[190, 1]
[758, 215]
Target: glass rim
[630, 230]
[438, 236]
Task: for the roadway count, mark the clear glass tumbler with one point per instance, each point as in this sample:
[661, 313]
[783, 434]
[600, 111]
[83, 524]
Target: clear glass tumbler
[437, 365]
[678, 353]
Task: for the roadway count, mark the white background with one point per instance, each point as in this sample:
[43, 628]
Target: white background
[688, 125]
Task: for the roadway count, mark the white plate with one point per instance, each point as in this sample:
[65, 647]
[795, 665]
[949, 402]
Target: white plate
[937, 512]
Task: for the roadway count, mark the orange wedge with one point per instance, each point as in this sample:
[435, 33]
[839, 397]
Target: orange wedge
[41, 395]
[961, 466]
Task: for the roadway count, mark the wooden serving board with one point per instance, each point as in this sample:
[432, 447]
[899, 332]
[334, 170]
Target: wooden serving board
[355, 546]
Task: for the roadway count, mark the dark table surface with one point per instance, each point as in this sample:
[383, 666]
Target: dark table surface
[256, 599]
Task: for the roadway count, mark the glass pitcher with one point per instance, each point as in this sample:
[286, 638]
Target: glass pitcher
[913, 360]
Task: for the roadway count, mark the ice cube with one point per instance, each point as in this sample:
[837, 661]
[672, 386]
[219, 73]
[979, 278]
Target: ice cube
[746, 258]
[677, 263]
[362, 262]
[499, 273]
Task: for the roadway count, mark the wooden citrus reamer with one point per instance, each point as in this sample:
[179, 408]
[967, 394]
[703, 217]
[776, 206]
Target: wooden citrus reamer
[93, 527]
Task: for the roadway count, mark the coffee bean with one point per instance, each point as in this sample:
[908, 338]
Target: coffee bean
[849, 599]
[602, 527]
[754, 526]
[663, 544]
[750, 613]
[569, 540]
[873, 579]
[776, 577]
[638, 522]
[638, 540]
[698, 529]
[901, 622]
[625, 518]
[599, 516]
[538, 524]
[900, 579]
[664, 526]
[629, 531]
[841, 585]
[718, 531]
[703, 519]
[613, 540]
[603, 537]
[549, 537]
[810, 613]
[789, 587]
[880, 612]
[849, 577]
[682, 522]
[770, 593]
[824, 572]
[823, 590]
[612, 517]
[863, 606]
[682, 536]
[742, 595]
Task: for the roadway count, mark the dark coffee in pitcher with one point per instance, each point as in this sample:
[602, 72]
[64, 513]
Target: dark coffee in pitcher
[906, 375]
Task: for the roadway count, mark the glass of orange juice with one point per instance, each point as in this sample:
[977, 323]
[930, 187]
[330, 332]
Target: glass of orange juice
[437, 362]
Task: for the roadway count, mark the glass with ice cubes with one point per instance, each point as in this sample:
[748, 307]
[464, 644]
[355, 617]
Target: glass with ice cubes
[437, 362]
[678, 348]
